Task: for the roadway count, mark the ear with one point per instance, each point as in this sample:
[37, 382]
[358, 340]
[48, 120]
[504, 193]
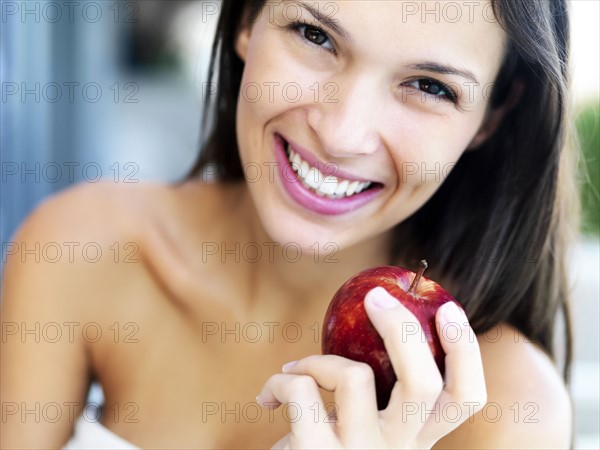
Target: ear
[492, 120]
[495, 116]
[242, 40]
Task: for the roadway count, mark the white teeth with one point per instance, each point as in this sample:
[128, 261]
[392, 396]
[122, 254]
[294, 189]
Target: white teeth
[303, 172]
[314, 178]
[352, 188]
[341, 188]
[324, 185]
[362, 186]
[329, 185]
[296, 161]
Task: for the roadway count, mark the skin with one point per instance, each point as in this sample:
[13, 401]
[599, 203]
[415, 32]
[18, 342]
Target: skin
[166, 373]
[411, 129]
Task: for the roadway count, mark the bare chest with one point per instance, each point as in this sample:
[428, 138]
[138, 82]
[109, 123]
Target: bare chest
[173, 380]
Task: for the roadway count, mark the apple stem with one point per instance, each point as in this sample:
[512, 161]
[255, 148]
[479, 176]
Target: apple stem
[413, 286]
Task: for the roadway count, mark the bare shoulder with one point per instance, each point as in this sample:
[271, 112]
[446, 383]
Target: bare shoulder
[71, 264]
[97, 225]
[108, 210]
[76, 237]
[99, 208]
[528, 404]
[91, 233]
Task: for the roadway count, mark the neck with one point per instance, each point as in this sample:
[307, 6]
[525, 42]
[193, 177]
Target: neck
[310, 281]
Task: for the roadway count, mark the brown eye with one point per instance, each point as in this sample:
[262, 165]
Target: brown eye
[435, 89]
[315, 35]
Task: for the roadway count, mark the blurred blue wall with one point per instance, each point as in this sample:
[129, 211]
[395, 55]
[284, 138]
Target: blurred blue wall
[54, 57]
[71, 112]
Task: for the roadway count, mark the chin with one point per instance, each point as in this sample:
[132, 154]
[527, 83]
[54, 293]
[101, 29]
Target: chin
[313, 238]
[289, 230]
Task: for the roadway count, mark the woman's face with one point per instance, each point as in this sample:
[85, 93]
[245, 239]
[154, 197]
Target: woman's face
[352, 113]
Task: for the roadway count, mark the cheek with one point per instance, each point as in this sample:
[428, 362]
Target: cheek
[427, 149]
[275, 79]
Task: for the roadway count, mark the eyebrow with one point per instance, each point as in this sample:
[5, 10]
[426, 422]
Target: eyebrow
[445, 69]
[428, 66]
[324, 19]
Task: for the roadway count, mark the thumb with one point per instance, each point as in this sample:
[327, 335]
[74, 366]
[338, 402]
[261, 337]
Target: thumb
[387, 314]
[403, 338]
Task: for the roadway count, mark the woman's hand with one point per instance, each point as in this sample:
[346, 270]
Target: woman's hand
[422, 409]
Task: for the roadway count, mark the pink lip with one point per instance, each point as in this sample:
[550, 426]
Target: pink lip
[309, 199]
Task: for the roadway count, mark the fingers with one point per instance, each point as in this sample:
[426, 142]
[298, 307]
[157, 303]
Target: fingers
[464, 367]
[419, 379]
[420, 395]
[355, 398]
[419, 385]
[304, 412]
[465, 386]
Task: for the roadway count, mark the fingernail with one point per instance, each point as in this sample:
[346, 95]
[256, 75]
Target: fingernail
[451, 313]
[288, 366]
[380, 299]
[258, 400]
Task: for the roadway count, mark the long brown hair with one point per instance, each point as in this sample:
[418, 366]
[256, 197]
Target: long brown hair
[500, 224]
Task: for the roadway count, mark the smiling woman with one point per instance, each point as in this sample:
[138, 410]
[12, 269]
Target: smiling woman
[420, 118]
[383, 132]
[520, 216]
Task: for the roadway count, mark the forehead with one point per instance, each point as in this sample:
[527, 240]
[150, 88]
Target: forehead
[460, 31]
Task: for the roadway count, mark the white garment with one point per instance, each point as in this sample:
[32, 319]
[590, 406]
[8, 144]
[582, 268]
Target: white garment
[93, 435]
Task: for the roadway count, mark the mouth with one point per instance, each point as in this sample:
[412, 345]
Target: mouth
[322, 188]
[323, 182]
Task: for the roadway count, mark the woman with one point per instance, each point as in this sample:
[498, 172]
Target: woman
[440, 129]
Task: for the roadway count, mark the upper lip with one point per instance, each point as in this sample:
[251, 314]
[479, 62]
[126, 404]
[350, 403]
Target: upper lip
[313, 161]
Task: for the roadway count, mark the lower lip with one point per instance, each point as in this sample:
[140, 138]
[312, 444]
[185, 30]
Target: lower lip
[309, 199]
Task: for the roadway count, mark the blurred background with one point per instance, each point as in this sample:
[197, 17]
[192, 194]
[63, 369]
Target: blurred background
[114, 90]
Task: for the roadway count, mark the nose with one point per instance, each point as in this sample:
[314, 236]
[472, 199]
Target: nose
[347, 120]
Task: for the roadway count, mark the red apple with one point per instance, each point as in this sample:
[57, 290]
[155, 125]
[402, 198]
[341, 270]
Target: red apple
[348, 332]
